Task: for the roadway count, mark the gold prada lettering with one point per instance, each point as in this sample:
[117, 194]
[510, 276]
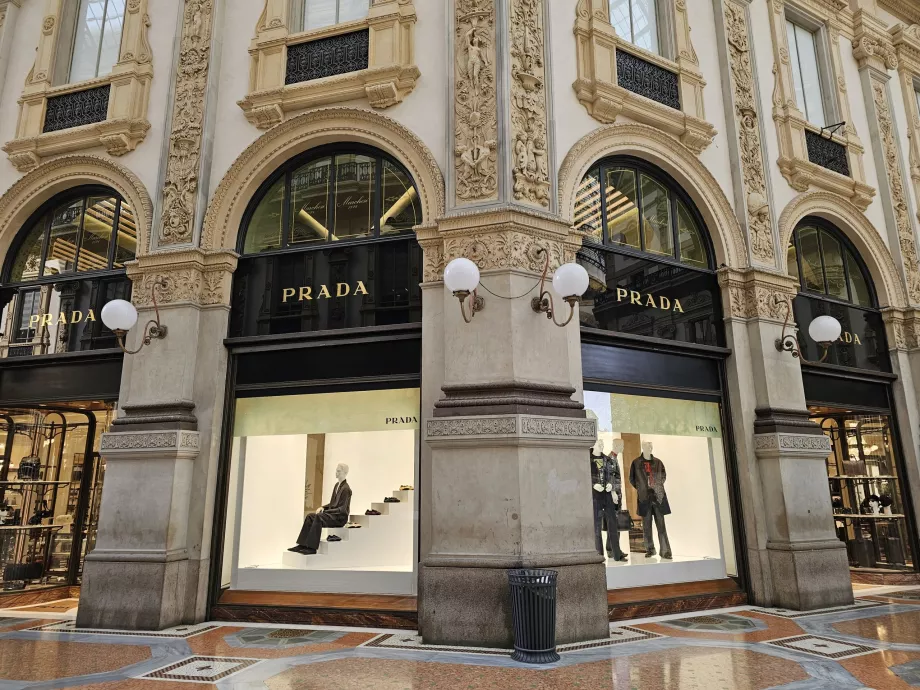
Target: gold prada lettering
[660, 302]
[306, 293]
[848, 338]
[635, 298]
[76, 316]
[91, 316]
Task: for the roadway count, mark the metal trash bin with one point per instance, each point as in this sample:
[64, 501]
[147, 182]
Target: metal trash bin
[533, 614]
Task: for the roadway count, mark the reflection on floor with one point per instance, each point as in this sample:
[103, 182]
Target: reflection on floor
[874, 644]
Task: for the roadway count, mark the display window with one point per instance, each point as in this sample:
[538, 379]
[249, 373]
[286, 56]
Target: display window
[51, 477]
[322, 493]
[660, 490]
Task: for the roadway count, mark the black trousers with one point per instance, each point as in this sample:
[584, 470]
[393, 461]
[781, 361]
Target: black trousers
[312, 530]
[654, 512]
[606, 509]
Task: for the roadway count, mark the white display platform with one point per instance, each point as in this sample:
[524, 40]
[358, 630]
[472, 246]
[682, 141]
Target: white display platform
[280, 578]
[640, 571]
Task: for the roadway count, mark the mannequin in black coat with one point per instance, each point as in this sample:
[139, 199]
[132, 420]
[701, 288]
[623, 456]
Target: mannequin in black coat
[648, 476]
[333, 514]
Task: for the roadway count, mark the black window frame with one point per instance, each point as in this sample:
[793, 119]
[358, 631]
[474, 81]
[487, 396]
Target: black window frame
[675, 193]
[847, 246]
[44, 215]
[292, 165]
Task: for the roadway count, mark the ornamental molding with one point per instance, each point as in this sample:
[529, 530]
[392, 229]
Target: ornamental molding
[898, 197]
[605, 100]
[872, 44]
[191, 276]
[819, 443]
[390, 75]
[513, 425]
[497, 239]
[544, 426]
[472, 426]
[902, 328]
[851, 221]
[24, 197]
[907, 9]
[301, 133]
[475, 104]
[529, 134]
[759, 215]
[791, 124]
[906, 43]
[187, 441]
[665, 151]
[180, 188]
[756, 294]
[125, 122]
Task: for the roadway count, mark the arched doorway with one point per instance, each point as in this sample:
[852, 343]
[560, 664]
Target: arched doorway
[849, 395]
[654, 378]
[323, 405]
[60, 371]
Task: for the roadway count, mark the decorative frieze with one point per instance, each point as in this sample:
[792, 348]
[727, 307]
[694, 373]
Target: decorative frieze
[177, 441]
[475, 102]
[759, 217]
[193, 276]
[756, 294]
[818, 443]
[902, 328]
[529, 134]
[180, 189]
[513, 425]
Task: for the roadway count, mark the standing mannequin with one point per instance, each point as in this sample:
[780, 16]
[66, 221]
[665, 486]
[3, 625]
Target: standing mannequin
[333, 514]
[607, 497]
[648, 476]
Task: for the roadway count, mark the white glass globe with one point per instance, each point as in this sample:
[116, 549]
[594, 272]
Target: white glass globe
[570, 280]
[825, 329]
[119, 315]
[461, 275]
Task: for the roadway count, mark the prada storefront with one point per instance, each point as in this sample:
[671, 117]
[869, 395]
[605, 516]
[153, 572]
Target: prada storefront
[849, 395]
[321, 441]
[653, 364]
[60, 371]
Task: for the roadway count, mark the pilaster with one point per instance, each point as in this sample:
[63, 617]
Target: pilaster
[9, 12]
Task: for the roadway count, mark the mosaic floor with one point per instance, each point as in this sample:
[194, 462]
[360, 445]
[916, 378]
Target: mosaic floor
[874, 644]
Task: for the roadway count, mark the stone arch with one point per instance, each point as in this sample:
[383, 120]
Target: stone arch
[301, 133]
[852, 223]
[56, 176]
[670, 155]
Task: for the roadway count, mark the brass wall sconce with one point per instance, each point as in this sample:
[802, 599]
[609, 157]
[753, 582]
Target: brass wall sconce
[120, 317]
[824, 330]
[462, 278]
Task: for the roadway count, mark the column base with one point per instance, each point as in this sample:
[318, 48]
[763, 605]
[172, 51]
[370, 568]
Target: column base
[811, 575]
[132, 595]
[472, 606]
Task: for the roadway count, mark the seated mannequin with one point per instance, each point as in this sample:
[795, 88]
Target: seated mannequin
[333, 514]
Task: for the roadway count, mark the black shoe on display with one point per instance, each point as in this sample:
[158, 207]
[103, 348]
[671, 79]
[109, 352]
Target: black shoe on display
[650, 552]
[666, 556]
[621, 557]
[333, 537]
[391, 499]
[301, 549]
[372, 512]
[308, 552]
[296, 548]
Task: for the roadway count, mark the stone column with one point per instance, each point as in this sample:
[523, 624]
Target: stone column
[796, 559]
[150, 567]
[9, 11]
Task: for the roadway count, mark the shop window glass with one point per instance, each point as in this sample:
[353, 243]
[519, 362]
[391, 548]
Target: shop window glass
[859, 289]
[792, 261]
[692, 250]
[622, 213]
[28, 262]
[588, 207]
[29, 305]
[263, 233]
[353, 453]
[665, 461]
[806, 72]
[96, 38]
[833, 267]
[865, 489]
[401, 209]
[310, 202]
[126, 240]
[812, 273]
[355, 179]
[636, 21]
[62, 245]
[656, 216]
[98, 223]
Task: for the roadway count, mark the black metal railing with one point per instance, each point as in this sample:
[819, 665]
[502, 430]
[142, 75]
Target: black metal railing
[327, 57]
[647, 79]
[76, 109]
[827, 153]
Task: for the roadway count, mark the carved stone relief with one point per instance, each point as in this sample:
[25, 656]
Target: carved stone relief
[898, 199]
[528, 104]
[180, 190]
[760, 224]
[475, 111]
[756, 294]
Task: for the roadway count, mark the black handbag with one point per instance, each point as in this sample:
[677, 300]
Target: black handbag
[624, 521]
[29, 469]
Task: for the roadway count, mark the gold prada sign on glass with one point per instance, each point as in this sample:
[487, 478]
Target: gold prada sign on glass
[645, 299]
[306, 293]
[63, 317]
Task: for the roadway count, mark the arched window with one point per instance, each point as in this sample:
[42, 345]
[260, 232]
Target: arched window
[83, 231]
[826, 265]
[330, 195]
[629, 205]
[66, 263]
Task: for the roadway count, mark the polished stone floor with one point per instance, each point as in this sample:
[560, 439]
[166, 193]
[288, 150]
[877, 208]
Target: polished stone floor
[874, 644]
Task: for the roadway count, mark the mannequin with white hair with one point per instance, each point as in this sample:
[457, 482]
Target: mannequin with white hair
[333, 514]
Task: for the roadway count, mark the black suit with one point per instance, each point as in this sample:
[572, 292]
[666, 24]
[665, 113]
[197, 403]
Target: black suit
[605, 470]
[648, 477]
[335, 514]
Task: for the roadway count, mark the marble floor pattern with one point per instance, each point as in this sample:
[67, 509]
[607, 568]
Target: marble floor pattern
[874, 644]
